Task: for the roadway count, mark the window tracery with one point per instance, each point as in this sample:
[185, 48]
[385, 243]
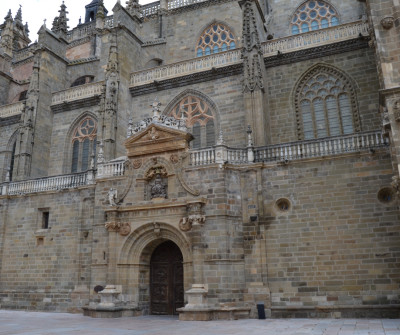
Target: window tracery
[325, 105]
[215, 38]
[83, 144]
[199, 119]
[313, 15]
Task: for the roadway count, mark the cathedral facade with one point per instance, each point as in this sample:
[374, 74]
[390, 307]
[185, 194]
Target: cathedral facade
[207, 158]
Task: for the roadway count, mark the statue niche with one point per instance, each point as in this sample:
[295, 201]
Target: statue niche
[157, 183]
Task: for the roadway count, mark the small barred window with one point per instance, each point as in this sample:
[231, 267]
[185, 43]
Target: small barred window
[199, 119]
[216, 38]
[313, 15]
[83, 144]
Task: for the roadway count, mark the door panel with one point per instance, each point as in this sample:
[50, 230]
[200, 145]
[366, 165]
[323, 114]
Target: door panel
[166, 279]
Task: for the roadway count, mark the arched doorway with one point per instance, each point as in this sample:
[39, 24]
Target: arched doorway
[166, 279]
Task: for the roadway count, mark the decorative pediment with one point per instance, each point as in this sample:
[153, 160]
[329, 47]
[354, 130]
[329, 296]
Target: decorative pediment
[157, 139]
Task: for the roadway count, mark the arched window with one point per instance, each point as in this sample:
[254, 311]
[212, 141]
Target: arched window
[83, 144]
[199, 120]
[82, 81]
[325, 104]
[313, 15]
[215, 38]
[12, 159]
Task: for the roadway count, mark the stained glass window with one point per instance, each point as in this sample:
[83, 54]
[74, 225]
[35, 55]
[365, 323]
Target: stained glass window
[83, 144]
[199, 120]
[216, 38]
[324, 105]
[313, 15]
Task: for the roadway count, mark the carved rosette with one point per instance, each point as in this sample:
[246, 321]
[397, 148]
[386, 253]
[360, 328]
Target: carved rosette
[174, 159]
[125, 229]
[137, 163]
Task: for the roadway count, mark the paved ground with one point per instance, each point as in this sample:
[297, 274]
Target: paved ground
[35, 323]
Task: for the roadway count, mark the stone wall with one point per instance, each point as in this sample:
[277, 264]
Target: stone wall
[46, 269]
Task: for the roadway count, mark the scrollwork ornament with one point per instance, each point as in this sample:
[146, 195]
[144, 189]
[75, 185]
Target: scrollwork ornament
[184, 224]
[113, 226]
[387, 22]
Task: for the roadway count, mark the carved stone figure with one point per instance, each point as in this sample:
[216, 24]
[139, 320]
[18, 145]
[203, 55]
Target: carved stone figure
[112, 196]
[387, 22]
[159, 189]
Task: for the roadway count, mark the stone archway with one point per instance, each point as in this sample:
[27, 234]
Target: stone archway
[134, 265]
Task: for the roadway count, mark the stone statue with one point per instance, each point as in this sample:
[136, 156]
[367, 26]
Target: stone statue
[158, 190]
[112, 197]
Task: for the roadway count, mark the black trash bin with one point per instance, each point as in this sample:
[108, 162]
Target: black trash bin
[261, 311]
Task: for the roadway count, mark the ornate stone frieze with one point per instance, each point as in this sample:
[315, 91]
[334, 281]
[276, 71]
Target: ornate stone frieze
[161, 120]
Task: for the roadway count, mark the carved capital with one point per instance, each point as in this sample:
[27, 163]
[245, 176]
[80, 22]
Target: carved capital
[113, 226]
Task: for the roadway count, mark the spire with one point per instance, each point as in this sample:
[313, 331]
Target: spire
[133, 7]
[18, 17]
[9, 16]
[100, 10]
[60, 23]
[26, 29]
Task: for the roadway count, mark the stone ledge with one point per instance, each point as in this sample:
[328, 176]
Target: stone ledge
[213, 313]
[111, 312]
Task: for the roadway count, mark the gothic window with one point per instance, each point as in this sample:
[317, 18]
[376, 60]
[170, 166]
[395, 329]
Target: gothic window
[313, 15]
[326, 105]
[199, 120]
[83, 144]
[12, 160]
[215, 38]
[82, 81]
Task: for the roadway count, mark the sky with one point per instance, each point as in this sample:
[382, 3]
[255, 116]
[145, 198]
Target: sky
[35, 11]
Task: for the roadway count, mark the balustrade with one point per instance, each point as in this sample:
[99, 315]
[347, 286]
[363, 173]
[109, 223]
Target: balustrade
[315, 38]
[202, 157]
[320, 147]
[77, 93]
[11, 109]
[48, 184]
[186, 67]
[111, 169]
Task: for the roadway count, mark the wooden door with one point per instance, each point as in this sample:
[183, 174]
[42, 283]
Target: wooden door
[166, 279]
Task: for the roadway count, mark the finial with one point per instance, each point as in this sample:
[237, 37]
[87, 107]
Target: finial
[80, 20]
[249, 140]
[220, 140]
[44, 22]
[19, 14]
[156, 108]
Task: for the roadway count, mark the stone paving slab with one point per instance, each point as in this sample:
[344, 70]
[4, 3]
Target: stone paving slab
[37, 323]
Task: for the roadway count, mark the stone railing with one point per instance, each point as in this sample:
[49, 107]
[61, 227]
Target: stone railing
[315, 38]
[77, 93]
[181, 3]
[323, 147]
[81, 31]
[150, 8]
[202, 157]
[48, 184]
[11, 109]
[183, 68]
[111, 169]
[237, 156]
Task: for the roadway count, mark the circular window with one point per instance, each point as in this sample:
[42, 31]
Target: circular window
[283, 204]
[386, 195]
